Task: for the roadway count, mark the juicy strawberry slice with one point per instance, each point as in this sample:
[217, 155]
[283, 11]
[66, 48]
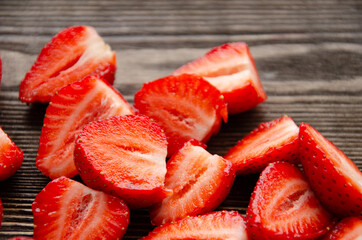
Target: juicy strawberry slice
[72, 54]
[126, 157]
[186, 107]
[347, 229]
[11, 157]
[231, 69]
[283, 206]
[216, 225]
[270, 142]
[334, 178]
[66, 209]
[74, 106]
[200, 182]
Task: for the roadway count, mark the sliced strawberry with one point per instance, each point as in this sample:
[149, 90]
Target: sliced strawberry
[74, 106]
[334, 177]
[270, 142]
[216, 225]
[126, 157]
[200, 182]
[186, 107]
[11, 157]
[72, 54]
[347, 229]
[283, 206]
[66, 209]
[231, 69]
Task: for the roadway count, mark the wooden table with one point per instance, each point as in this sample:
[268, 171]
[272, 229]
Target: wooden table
[308, 54]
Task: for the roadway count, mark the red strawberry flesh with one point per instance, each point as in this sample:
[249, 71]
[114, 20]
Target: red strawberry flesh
[66, 209]
[186, 107]
[216, 226]
[334, 177]
[283, 206]
[72, 54]
[11, 157]
[73, 107]
[347, 229]
[126, 157]
[200, 182]
[231, 69]
[272, 141]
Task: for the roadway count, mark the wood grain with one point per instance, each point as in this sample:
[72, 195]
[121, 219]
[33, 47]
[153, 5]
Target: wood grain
[308, 54]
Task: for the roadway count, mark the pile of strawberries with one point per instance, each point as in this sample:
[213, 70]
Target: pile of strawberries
[153, 155]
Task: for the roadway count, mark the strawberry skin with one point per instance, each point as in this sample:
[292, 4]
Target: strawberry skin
[283, 206]
[231, 69]
[216, 225]
[66, 209]
[334, 177]
[73, 107]
[186, 107]
[200, 182]
[349, 228]
[72, 54]
[11, 157]
[126, 157]
[272, 141]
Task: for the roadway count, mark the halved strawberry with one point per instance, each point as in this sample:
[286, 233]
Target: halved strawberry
[347, 229]
[186, 107]
[72, 54]
[66, 209]
[334, 177]
[216, 225]
[283, 206]
[11, 157]
[126, 157]
[231, 69]
[74, 106]
[272, 141]
[200, 182]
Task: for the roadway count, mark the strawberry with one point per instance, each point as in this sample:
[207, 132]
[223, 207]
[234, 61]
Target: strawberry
[11, 157]
[66, 209]
[270, 142]
[231, 69]
[74, 106]
[335, 179]
[72, 54]
[126, 157]
[186, 107]
[200, 182]
[349, 228]
[283, 206]
[216, 225]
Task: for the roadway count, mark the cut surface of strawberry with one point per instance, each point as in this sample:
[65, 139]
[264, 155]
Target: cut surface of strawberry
[283, 206]
[66, 209]
[216, 226]
[72, 54]
[231, 69]
[186, 107]
[126, 157]
[73, 107]
[334, 177]
[349, 228]
[11, 157]
[272, 141]
[200, 182]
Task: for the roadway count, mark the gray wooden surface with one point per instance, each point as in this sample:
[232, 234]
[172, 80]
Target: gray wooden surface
[308, 54]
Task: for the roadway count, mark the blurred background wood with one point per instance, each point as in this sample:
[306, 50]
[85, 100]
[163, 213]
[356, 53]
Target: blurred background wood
[308, 54]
